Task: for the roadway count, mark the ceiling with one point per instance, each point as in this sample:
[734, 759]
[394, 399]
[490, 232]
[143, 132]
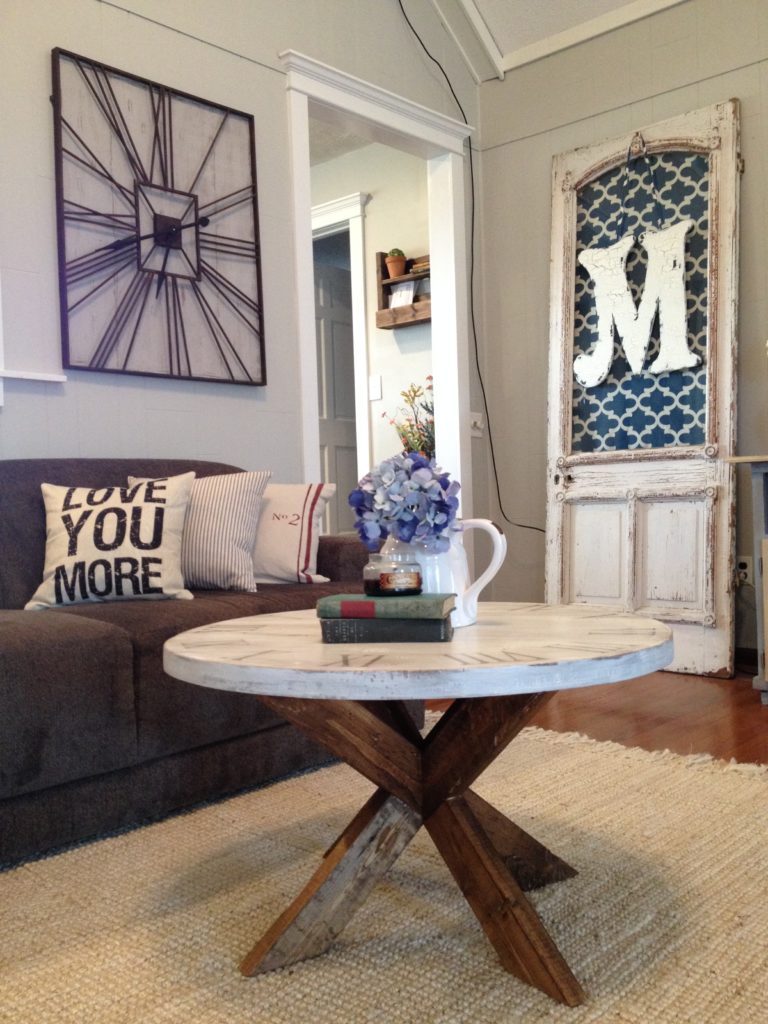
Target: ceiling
[510, 33]
[328, 140]
[495, 36]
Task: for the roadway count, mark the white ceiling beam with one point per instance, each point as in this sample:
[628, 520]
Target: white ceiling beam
[473, 52]
[483, 33]
[590, 29]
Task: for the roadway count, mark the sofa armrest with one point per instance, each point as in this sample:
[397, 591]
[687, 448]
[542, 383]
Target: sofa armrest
[341, 556]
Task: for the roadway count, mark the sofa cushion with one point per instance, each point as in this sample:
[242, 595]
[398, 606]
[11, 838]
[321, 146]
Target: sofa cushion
[342, 556]
[113, 543]
[174, 715]
[289, 531]
[220, 530]
[66, 700]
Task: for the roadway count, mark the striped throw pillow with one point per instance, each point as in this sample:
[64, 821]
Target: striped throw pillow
[220, 531]
[289, 532]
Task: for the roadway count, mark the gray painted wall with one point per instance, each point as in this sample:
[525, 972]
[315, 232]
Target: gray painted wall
[223, 52]
[700, 53]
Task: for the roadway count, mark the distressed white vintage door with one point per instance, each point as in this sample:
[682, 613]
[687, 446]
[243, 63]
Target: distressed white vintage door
[640, 498]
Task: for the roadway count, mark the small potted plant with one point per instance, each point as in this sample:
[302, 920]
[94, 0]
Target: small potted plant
[395, 260]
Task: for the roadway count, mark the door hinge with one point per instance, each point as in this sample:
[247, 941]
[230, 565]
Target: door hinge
[740, 165]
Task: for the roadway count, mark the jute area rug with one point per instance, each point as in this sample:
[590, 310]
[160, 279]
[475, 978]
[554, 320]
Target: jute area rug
[667, 920]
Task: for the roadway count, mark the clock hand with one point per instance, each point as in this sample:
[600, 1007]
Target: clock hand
[121, 243]
[161, 276]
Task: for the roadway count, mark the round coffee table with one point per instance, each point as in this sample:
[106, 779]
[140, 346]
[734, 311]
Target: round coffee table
[349, 697]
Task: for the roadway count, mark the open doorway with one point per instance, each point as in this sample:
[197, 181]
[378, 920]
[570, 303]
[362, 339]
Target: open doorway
[317, 90]
[387, 362]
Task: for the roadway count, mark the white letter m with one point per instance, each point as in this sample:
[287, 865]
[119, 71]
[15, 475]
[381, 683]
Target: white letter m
[664, 290]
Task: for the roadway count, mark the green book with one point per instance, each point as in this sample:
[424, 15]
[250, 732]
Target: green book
[379, 631]
[360, 606]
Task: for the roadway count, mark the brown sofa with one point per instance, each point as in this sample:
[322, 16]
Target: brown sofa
[94, 736]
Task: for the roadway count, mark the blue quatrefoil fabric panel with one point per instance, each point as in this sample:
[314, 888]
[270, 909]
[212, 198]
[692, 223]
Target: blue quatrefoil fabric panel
[638, 411]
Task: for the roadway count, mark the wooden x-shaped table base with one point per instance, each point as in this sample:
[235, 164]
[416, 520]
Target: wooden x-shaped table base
[425, 781]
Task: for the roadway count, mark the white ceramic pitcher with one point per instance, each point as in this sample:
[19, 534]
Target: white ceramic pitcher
[447, 572]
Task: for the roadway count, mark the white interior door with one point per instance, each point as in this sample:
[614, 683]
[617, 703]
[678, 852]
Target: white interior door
[336, 388]
[640, 497]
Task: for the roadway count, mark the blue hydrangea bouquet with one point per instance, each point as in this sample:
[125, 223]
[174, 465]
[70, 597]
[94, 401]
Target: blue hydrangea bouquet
[409, 498]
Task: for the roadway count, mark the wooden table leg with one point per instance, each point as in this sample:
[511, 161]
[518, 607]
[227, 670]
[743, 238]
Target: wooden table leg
[425, 780]
[530, 862]
[513, 927]
[364, 851]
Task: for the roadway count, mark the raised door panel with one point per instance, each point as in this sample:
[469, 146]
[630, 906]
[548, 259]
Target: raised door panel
[597, 535]
[674, 561]
[343, 376]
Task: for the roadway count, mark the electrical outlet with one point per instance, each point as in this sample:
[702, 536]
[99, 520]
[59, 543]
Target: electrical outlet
[745, 570]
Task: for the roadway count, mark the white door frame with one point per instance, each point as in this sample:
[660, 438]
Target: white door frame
[394, 121]
[347, 214]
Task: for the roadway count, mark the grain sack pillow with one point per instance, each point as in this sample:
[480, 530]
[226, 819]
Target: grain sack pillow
[113, 543]
[289, 532]
[220, 531]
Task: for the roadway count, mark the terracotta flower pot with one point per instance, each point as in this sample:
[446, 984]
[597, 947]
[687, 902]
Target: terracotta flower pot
[395, 265]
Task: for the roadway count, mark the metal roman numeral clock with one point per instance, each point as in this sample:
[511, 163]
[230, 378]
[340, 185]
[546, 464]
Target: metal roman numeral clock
[158, 229]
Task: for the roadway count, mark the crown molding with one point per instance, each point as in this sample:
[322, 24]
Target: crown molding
[336, 211]
[327, 85]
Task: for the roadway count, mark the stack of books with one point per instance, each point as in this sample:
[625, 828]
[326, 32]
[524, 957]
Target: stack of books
[419, 265]
[359, 619]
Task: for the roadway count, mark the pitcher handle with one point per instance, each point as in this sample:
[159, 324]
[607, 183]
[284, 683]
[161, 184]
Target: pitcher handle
[497, 557]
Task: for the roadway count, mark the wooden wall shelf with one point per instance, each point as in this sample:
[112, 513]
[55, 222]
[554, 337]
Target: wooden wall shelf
[399, 316]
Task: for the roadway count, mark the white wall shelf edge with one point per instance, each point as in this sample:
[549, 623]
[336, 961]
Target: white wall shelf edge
[46, 378]
[32, 375]
[21, 374]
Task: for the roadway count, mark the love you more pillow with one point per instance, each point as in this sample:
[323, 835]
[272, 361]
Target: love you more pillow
[113, 543]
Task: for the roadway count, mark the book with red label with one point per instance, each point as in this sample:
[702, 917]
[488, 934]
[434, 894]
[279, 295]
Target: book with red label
[360, 606]
[386, 631]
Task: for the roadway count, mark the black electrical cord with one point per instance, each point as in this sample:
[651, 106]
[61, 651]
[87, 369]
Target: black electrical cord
[521, 526]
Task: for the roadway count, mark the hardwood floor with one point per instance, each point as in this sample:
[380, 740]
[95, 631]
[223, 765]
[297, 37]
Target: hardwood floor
[668, 711]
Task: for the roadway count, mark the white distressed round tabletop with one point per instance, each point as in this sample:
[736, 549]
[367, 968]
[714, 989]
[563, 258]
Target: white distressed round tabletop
[513, 648]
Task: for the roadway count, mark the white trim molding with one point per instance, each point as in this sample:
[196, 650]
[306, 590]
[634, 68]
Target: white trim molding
[434, 132]
[46, 378]
[327, 217]
[450, 306]
[477, 21]
[5, 374]
[55, 378]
